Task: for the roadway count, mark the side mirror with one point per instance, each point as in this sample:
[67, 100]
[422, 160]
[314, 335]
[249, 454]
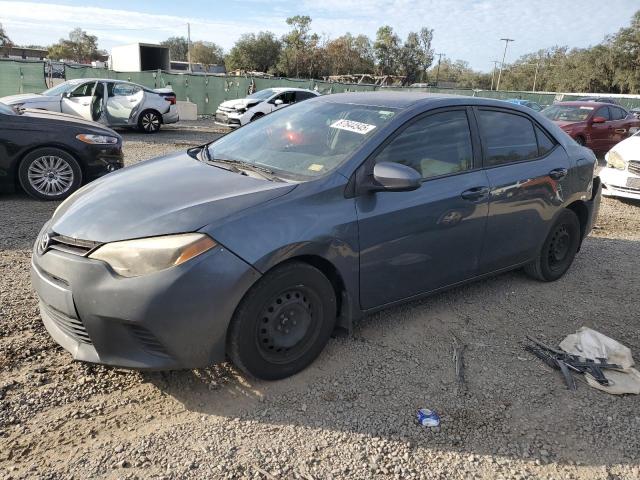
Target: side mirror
[598, 120]
[395, 177]
[278, 102]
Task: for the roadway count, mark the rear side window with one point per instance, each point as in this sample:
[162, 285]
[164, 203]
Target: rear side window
[545, 144]
[506, 137]
[439, 144]
[617, 113]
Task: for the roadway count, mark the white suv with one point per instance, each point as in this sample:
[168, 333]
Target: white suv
[235, 113]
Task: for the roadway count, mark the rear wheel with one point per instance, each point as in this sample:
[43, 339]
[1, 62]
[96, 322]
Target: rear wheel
[49, 174]
[559, 249]
[149, 121]
[283, 323]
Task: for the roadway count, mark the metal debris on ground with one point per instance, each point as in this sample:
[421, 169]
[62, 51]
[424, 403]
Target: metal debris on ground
[591, 354]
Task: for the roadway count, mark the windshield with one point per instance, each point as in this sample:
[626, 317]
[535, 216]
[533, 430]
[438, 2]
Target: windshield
[567, 113]
[262, 94]
[4, 109]
[305, 140]
[59, 89]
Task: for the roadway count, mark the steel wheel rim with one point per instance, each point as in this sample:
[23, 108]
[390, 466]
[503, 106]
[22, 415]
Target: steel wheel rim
[150, 122]
[50, 175]
[559, 247]
[288, 324]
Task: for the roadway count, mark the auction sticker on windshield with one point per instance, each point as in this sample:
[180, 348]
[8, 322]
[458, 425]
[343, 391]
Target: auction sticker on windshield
[352, 126]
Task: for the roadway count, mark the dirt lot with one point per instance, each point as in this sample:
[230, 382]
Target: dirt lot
[351, 414]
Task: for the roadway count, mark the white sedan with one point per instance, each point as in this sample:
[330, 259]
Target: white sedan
[235, 113]
[621, 176]
[114, 103]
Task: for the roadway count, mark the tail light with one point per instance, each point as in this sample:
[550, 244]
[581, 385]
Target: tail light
[171, 99]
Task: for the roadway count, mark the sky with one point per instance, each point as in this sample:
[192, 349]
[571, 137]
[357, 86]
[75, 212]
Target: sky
[463, 29]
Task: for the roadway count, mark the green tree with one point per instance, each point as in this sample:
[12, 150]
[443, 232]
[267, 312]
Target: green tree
[253, 52]
[296, 46]
[625, 46]
[80, 47]
[207, 53]
[178, 48]
[5, 41]
[387, 50]
[349, 55]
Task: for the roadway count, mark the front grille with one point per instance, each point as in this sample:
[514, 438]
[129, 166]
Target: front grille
[71, 245]
[71, 326]
[634, 167]
[148, 340]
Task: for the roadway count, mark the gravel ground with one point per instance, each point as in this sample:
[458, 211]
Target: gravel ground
[351, 414]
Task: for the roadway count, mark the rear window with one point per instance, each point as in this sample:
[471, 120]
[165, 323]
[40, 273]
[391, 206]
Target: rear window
[545, 144]
[506, 137]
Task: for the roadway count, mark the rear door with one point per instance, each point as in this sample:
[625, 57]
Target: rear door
[620, 123]
[416, 242]
[79, 101]
[527, 172]
[122, 99]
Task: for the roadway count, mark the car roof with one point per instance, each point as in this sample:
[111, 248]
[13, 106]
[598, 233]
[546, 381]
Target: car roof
[577, 103]
[290, 89]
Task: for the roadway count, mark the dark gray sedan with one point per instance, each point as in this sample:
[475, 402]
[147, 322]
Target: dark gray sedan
[257, 246]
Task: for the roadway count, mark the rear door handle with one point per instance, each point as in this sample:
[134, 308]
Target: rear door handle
[476, 193]
[558, 173]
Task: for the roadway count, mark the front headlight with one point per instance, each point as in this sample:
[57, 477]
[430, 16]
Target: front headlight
[97, 139]
[132, 258]
[615, 160]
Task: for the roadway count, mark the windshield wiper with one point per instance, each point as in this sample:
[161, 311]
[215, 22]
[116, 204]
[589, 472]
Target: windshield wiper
[239, 165]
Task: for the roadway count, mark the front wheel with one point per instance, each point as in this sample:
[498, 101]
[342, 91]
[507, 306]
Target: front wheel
[49, 174]
[558, 250]
[149, 121]
[283, 323]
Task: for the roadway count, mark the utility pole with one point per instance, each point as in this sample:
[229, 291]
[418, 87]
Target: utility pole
[493, 73]
[504, 55]
[189, 45]
[440, 55]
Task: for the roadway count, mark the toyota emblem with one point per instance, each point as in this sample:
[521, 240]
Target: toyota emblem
[43, 243]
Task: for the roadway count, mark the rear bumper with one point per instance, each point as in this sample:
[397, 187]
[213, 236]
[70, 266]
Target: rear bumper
[173, 319]
[171, 116]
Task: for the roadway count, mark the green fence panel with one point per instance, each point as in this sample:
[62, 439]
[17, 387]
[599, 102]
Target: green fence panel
[21, 77]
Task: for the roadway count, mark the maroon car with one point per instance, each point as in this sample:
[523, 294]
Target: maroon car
[598, 126]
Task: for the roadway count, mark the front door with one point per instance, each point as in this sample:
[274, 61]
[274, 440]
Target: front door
[122, 99]
[79, 101]
[416, 242]
[601, 133]
[528, 173]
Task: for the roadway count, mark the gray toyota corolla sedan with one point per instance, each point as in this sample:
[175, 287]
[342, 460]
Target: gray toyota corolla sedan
[257, 246]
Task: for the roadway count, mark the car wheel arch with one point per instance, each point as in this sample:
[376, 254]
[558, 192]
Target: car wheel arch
[582, 212]
[63, 148]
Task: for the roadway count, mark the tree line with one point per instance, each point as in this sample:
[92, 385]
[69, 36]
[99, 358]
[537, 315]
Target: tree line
[612, 66]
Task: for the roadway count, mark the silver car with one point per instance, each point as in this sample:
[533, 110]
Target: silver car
[114, 103]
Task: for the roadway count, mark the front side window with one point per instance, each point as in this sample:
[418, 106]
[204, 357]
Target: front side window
[435, 145]
[303, 141]
[506, 137]
[287, 98]
[604, 113]
[84, 90]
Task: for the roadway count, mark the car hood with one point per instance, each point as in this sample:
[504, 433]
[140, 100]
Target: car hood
[47, 115]
[629, 149]
[30, 98]
[172, 194]
[240, 102]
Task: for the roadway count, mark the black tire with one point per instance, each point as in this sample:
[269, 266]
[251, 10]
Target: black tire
[149, 121]
[558, 250]
[283, 322]
[580, 141]
[257, 116]
[52, 168]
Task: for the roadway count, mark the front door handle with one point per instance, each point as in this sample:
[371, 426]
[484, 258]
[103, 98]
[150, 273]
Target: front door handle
[558, 173]
[476, 193]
